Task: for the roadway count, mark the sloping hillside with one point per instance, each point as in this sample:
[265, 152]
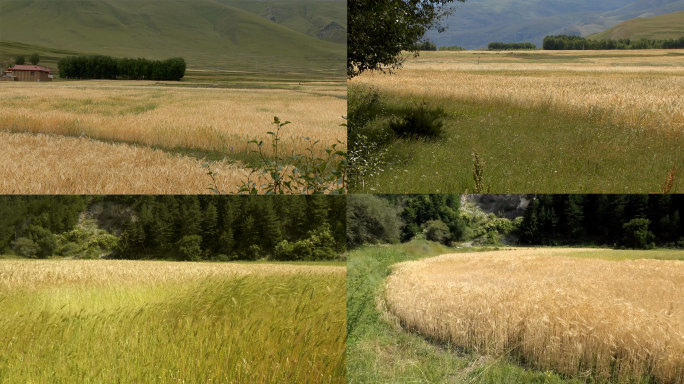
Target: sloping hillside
[208, 34]
[475, 23]
[668, 26]
[322, 19]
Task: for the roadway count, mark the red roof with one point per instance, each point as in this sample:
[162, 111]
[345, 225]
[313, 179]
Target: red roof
[31, 68]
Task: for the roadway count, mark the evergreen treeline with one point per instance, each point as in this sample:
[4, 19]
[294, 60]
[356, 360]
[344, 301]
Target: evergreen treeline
[633, 221]
[393, 218]
[563, 42]
[499, 46]
[179, 227]
[106, 67]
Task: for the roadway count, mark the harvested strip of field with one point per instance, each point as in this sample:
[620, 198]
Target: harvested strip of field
[611, 320]
[147, 321]
[639, 92]
[51, 164]
[215, 119]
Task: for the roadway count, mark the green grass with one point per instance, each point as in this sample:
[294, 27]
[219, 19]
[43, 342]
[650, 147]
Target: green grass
[379, 351]
[524, 149]
[661, 27]
[274, 329]
[210, 35]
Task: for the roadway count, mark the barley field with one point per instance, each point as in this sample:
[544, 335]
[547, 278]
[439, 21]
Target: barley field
[641, 90]
[188, 122]
[153, 321]
[54, 164]
[547, 122]
[148, 113]
[594, 319]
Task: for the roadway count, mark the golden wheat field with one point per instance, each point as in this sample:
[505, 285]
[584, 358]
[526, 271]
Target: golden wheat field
[216, 119]
[37, 274]
[639, 89]
[55, 164]
[610, 320]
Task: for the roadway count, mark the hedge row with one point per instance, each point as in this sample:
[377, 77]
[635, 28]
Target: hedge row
[106, 67]
[561, 42]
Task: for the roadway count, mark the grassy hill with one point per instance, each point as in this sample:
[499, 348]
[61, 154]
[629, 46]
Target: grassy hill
[209, 34]
[322, 19]
[668, 26]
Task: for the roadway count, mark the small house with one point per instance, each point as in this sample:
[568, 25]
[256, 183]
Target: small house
[29, 73]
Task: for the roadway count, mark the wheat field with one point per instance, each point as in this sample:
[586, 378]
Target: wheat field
[639, 89]
[618, 321]
[147, 113]
[52, 164]
[100, 321]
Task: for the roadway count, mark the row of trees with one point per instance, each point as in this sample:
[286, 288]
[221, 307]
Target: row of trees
[562, 42]
[631, 221]
[235, 227]
[634, 221]
[176, 227]
[499, 46]
[106, 67]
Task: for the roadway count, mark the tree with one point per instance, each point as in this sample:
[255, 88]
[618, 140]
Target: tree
[436, 230]
[379, 30]
[19, 60]
[34, 59]
[190, 248]
[637, 235]
[24, 246]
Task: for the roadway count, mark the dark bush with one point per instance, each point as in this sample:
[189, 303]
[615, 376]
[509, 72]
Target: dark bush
[419, 123]
[24, 246]
[637, 235]
[437, 230]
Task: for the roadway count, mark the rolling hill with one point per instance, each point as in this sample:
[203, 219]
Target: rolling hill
[322, 19]
[475, 23]
[667, 26]
[210, 34]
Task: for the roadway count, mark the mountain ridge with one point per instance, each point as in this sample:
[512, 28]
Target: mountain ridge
[474, 24]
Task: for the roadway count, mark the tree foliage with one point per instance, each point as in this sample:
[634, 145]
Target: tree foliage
[570, 42]
[379, 30]
[499, 46]
[34, 59]
[633, 221]
[106, 67]
[179, 227]
[392, 218]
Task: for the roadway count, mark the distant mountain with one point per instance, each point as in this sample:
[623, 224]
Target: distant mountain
[667, 26]
[209, 34]
[323, 19]
[476, 23]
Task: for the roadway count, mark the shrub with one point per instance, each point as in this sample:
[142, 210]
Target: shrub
[24, 246]
[46, 241]
[420, 122]
[637, 235]
[371, 220]
[190, 248]
[437, 230]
